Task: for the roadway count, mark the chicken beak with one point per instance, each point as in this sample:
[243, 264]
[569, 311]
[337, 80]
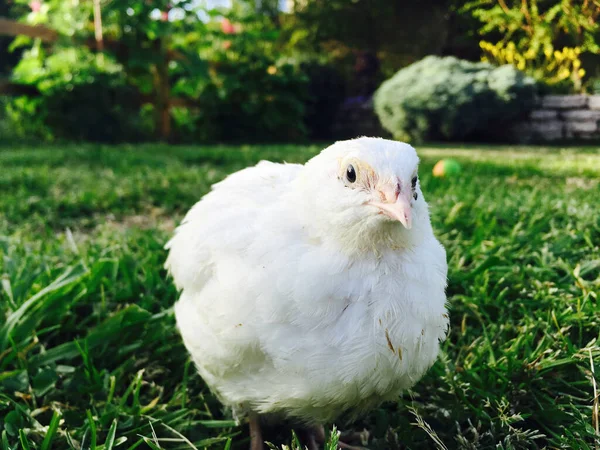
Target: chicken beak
[396, 205]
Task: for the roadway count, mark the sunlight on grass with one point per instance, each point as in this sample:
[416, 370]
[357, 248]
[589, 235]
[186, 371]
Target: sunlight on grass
[89, 352]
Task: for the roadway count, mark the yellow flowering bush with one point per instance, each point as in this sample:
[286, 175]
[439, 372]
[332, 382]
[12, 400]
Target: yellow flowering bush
[543, 38]
[550, 65]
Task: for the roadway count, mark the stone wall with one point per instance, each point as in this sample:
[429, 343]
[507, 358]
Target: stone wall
[561, 118]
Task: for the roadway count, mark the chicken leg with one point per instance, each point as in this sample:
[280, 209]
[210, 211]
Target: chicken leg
[256, 440]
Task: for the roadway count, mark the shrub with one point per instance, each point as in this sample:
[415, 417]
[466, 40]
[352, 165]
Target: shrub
[252, 101]
[448, 98]
[552, 67]
[545, 39]
[250, 93]
[105, 110]
[226, 76]
[21, 121]
[82, 98]
[255, 101]
[326, 89]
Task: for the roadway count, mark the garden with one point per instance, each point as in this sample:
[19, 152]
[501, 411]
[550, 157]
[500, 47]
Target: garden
[116, 117]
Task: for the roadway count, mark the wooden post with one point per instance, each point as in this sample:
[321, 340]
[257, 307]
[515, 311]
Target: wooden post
[98, 32]
[11, 28]
[7, 87]
[98, 26]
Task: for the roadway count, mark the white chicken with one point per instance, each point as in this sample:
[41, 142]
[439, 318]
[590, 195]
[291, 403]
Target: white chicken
[309, 291]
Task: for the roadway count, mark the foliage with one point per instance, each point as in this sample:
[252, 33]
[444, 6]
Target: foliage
[90, 338]
[21, 120]
[241, 103]
[226, 75]
[84, 96]
[61, 69]
[148, 38]
[447, 98]
[326, 90]
[251, 92]
[105, 110]
[96, 95]
[544, 38]
[399, 33]
[8, 59]
[556, 66]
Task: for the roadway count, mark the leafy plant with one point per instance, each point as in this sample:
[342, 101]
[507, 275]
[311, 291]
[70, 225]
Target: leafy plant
[544, 38]
[553, 67]
[447, 98]
[83, 96]
[326, 90]
[22, 119]
[219, 78]
[116, 67]
[252, 92]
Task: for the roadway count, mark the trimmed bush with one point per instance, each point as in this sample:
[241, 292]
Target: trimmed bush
[448, 99]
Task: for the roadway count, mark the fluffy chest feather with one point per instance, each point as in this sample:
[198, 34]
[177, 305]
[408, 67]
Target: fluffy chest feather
[308, 332]
[384, 314]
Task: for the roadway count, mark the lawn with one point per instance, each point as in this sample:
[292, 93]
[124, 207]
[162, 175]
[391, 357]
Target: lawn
[90, 357]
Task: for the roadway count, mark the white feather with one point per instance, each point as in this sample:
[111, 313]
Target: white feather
[297, 300]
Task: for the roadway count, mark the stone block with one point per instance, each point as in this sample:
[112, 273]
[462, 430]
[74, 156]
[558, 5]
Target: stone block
[581, 115]
[543, 114]
[532, 131]
[594, 101]
[581, 127]
[550, 130]
[564, 101]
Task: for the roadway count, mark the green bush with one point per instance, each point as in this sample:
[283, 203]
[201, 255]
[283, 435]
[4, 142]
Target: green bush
[326, 89]
[253, 101]
[102, 110]
[228, 76]
[447, 98]
[21, 121]
[251, 91]
[82, 97]
[256, 101]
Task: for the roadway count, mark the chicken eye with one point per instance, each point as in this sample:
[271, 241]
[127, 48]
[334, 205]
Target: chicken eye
[351, 174]
[414, 182]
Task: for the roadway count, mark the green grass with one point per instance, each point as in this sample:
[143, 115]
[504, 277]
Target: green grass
[90, 357]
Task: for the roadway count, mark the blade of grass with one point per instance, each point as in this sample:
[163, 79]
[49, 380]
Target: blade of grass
[24, 441]
[92, 426]
[52, 428]
[110, 437]
[5, 445]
